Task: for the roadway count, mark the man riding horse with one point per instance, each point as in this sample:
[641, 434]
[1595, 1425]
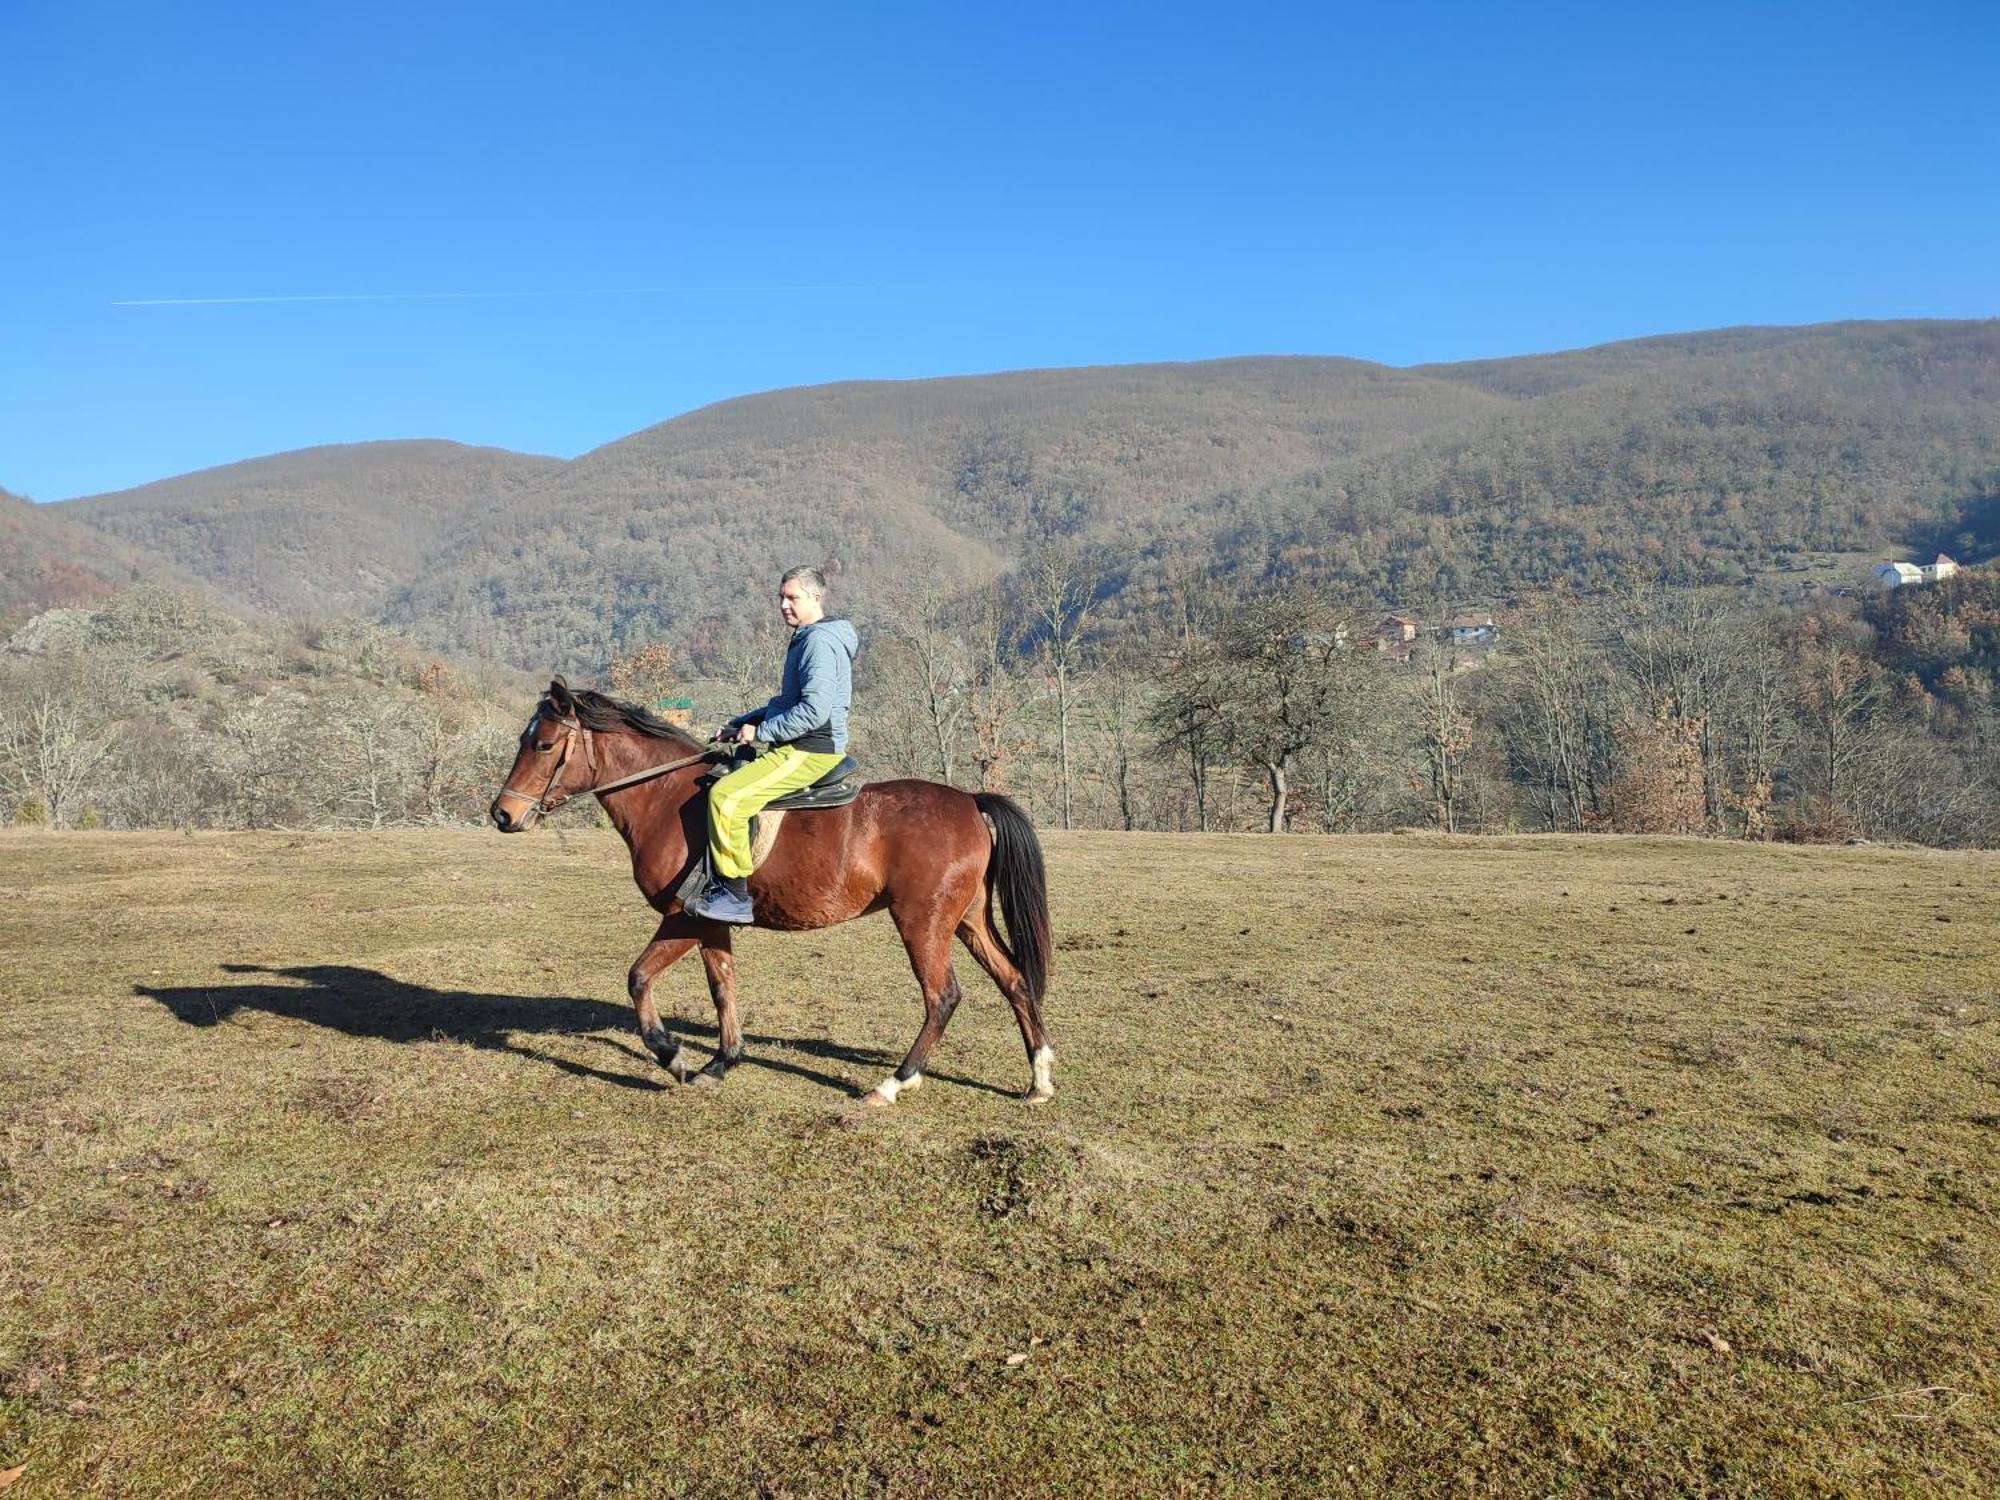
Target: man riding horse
[943, 863]
[806, 723]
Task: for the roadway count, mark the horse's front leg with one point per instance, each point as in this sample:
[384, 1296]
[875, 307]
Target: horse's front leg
[719, 960]
[669, 944]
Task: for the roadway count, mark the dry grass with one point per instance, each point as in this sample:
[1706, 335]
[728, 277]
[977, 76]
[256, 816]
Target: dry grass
[1533, 1166]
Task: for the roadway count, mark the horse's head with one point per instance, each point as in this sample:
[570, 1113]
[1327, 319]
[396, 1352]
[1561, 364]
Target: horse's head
[554, 745]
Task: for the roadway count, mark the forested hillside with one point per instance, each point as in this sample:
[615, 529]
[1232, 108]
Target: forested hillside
[320, 529]
[692, 518]
[47, 561]
[1707, 459]
[1699, 460]
[1704, 458]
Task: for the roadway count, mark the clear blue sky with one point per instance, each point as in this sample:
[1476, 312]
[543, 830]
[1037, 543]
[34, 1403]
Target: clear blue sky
[714, 199]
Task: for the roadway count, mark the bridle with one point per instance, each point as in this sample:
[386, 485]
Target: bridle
[552, 796]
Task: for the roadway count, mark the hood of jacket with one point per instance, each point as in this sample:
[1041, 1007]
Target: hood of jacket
[836, 630]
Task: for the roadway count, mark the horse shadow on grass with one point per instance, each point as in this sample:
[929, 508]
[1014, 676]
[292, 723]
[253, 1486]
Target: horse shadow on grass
[368, 1003]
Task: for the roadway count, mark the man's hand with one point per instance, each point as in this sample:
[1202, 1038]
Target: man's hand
[745, 733]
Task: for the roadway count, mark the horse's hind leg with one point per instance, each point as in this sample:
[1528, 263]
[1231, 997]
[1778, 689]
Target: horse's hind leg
[976, 932]
[927, 935]
[718, 958]
[669, 944]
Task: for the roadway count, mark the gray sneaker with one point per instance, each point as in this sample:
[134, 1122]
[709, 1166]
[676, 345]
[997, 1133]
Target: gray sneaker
[725, 900]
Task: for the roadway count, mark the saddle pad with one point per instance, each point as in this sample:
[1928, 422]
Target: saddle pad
[763, 834]
[764, 826]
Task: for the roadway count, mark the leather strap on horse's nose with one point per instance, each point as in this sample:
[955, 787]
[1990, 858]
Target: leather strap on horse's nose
[541, 804]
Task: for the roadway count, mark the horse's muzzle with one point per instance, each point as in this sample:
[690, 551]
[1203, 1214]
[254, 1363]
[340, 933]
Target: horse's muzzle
[505, 821]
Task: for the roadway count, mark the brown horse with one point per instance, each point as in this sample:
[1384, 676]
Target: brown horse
[916, 847]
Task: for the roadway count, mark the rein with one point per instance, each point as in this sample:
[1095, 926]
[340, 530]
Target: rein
[651, 771]
[576, 730]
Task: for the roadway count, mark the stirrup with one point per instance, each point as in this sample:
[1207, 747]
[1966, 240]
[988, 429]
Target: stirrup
[719, 903]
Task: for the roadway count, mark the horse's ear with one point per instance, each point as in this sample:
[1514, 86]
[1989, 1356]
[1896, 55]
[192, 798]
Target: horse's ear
[559, 695]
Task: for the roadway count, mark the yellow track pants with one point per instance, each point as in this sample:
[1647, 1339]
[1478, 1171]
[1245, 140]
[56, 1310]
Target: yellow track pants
[743, 792]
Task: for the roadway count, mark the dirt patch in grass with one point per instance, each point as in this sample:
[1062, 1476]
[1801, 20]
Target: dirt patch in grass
[330, 1164]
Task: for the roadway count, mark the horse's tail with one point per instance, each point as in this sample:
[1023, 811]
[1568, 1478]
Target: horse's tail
[1015, 875]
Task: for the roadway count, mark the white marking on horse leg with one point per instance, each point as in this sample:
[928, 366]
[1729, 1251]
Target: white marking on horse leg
[886, 1091]
[1044, 1087]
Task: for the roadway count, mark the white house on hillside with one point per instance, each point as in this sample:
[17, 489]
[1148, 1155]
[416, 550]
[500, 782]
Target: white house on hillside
[1896, 575]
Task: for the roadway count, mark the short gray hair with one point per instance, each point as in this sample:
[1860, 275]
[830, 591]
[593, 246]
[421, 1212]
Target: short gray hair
[811, 577]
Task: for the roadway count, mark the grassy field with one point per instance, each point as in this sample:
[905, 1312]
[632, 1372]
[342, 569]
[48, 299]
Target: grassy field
[1377, 1165]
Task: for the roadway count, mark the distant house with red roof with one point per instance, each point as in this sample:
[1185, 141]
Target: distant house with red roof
[1474, 629]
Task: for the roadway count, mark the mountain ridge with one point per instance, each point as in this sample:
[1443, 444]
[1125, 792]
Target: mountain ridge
[1712, 455]
[309, 529]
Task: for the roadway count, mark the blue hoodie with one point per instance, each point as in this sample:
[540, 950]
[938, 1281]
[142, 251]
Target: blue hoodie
[810, 710]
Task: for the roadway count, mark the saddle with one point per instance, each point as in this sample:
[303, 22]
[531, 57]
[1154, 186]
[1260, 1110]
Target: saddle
[836, 788]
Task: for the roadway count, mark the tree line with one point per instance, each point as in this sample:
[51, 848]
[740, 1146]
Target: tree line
[160, 710]
[1640, 708]
[1644, 708]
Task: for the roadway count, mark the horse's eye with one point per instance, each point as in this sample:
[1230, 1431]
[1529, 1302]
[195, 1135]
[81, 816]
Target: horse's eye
[545, 749]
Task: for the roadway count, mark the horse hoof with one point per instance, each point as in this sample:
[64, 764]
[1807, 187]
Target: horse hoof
[681, 1072]
[876, 1099]
[1038, 1096]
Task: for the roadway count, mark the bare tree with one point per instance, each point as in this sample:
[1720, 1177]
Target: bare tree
[1058, 585]
[1444, 735]
[1289, 681]
[1122, 705]
[1195, 604]
[994, 690]
[1189, 717]
[166, 778]
[1911, 785]
[1839, 689]
[1756, 727]
[889, 702]
[54, 745]
[1675, 647]
[453, 745]
[1555, 691]
[369, 760]
[257, 752]
[916, 613]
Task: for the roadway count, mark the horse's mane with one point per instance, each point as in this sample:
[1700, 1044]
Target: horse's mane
[597, 711]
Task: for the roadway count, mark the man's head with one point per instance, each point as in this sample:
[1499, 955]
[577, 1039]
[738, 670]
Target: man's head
[802, 597]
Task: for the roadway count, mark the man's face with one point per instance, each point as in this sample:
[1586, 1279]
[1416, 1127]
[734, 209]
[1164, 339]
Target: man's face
[797, 604]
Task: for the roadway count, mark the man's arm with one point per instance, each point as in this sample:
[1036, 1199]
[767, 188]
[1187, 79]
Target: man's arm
[814, 710]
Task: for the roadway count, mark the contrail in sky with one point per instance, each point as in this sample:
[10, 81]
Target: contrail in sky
[628, 291]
